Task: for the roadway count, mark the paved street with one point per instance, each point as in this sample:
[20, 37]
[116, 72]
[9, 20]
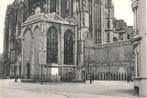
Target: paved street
[9, 89]
[99, 89]
[19, 93]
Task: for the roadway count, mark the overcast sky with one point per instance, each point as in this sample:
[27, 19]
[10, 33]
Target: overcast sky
[122, 11]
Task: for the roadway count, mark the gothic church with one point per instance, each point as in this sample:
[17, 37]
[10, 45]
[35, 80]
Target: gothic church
[55, 32]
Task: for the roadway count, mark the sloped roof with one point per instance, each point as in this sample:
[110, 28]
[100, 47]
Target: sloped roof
[51, 17]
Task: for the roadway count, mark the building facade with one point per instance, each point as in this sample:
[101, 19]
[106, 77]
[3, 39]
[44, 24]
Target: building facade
[139, 42]
[54, 33]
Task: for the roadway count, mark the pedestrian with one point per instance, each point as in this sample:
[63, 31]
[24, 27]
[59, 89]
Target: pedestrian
[91, 78]
[128, 78]
[16, 77]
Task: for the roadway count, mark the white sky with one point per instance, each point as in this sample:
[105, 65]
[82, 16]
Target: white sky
[122, 11]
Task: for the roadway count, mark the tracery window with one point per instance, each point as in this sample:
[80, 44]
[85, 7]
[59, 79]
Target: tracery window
[53, 6]
[52, 45]
[25, 14]
[68, 48]
[97, 17]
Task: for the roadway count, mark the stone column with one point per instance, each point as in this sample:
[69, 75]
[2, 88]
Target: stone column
[82, 33]
[62, 44]
[136, 59]
[59, 48]
[22, 59]
[75, 47]
[32, 60]
[84, 28]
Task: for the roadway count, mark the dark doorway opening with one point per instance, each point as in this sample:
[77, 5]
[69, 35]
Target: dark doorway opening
[28, 70]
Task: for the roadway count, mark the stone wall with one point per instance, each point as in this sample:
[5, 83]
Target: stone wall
[113, 57]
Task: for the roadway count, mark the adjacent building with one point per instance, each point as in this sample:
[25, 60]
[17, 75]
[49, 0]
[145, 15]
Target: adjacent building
[139, 42]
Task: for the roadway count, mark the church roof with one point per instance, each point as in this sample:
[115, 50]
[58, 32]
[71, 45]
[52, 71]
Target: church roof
[51, 17]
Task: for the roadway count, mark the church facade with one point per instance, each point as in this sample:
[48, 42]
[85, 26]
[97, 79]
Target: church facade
[55, 34]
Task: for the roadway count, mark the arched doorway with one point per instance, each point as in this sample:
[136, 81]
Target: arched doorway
[52, 45]
[28, 70]
[27, 52]
[68, 47]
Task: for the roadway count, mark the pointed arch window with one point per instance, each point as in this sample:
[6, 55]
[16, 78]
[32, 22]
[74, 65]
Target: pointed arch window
[68, 48]
[52, 45]
[53, 6]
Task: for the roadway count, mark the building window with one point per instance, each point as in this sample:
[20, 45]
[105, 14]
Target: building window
[90, 17]
[121, 36]
[128, 36]
[68, 48]
[115, 39]
[97, 17]
[25, 14]
[53, 6]
[108, 24]
[64, 8]
[71, 8]
[52, 45]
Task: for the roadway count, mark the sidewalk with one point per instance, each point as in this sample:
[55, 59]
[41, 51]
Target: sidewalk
[99, 89]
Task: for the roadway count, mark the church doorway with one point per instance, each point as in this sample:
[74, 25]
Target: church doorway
[68, 48]
[52, 45]
[28, 70]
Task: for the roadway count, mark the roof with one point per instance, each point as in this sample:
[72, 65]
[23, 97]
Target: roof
[51, 17]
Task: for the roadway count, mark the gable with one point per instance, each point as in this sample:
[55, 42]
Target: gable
[51, 17]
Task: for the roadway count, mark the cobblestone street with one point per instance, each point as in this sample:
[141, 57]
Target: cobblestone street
[99, 89]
